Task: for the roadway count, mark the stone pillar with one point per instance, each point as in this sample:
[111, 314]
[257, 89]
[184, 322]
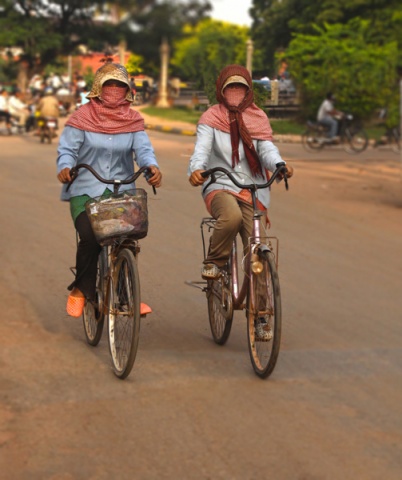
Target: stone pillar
[162, 101]
[274, 92]
[249, 56]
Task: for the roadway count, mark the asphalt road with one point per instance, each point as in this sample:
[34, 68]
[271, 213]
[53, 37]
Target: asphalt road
[191, 409]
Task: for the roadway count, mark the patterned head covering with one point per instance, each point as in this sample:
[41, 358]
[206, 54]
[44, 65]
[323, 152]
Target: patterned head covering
[242, 119]
[109, 109]
[110, 71]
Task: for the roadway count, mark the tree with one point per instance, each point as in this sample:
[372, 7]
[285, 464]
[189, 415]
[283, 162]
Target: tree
[276, 21]
[345, 60]
[166, 20]
[46, 29]
[206, 48]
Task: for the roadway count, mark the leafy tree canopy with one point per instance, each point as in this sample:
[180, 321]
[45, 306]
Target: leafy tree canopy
[45, 29]
[166, 20]
[206, 48]
[345, 60]
[276, 21]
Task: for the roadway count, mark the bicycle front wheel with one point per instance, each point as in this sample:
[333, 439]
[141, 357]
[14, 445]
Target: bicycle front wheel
[124, 313]
[357, 141]
[220, 309]
[93, 315]
[264, 316]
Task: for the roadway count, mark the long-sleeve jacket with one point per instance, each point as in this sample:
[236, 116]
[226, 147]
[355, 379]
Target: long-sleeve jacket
[213, 148]
[110, 155]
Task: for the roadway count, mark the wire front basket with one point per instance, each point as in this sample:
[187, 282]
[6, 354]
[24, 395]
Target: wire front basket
[119, 215]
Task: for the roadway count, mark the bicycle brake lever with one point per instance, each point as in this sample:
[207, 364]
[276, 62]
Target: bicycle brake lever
[147, 176]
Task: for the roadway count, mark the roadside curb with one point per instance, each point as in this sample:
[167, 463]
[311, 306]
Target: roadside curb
[190, 132]
[165, 129]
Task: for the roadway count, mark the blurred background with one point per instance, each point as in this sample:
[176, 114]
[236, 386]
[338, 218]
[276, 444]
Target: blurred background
[296, 50]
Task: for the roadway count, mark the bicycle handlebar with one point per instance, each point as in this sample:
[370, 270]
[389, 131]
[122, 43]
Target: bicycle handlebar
[280, 169]
[116, 183]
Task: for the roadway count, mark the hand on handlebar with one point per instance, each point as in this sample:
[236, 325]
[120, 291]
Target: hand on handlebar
[155, 178]
[288, 174]
[196, 179]
[64, 176]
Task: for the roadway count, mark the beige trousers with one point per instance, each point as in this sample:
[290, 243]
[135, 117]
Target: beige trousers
[232, 217]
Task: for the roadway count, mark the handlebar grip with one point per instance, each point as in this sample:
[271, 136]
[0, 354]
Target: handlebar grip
[205, 174]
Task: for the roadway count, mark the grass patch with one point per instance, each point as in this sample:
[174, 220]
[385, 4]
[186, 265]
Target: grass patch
[178, 114]
[192, 116]
[287, 127]
[279, 126]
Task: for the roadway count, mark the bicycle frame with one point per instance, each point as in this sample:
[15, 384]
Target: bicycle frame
[256, 241]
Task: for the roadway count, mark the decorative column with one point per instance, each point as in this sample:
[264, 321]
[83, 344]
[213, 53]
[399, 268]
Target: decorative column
[249, 57]
[163, 81]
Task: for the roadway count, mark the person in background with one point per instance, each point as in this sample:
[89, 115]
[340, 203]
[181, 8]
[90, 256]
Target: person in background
[105, 134]
[18, 108]
[234, 134]
[326, 116]
[4, 113]
[48, 106]
[133, 86]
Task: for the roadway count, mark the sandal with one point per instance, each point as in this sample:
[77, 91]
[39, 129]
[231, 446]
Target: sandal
[75, 306]
[145, 309]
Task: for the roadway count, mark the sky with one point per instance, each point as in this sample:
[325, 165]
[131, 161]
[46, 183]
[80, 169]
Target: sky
[233, 11]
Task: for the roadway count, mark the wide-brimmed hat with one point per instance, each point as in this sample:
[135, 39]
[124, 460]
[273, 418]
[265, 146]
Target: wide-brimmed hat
[110, 71]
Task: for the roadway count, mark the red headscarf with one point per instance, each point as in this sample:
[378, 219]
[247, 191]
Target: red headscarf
[108, 110]
[245, 120]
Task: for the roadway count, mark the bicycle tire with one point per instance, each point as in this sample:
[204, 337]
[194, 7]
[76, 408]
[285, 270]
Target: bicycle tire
[93, 316]
[310, 141]
[264, 354]
[124, 313]
[220, 309]
[357, 140]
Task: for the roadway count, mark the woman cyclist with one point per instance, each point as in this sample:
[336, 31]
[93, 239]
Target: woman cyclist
[234, 134]
[105, 134]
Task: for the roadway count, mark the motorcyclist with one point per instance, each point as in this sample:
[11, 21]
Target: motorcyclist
[48, 106]
[327, 114]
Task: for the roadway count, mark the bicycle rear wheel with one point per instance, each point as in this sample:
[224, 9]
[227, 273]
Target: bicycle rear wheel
[220, 308]
[124, 313]
[357, 141]
[312, 141]
[264, 301]
[93, 315]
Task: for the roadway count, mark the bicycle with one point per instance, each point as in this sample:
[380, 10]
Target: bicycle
[351, 135]
[260, 286]
[392, 137]
[118, 284]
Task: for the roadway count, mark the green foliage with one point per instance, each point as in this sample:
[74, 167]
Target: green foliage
[8, 71]
[261, 95]
[342, 59]
[206, 48]
[133, 65]
[276, 21]
[166, 20]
